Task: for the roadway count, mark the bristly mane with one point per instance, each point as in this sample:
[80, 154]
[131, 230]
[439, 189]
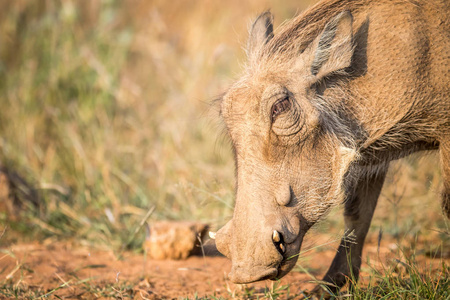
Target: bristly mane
[294, 36]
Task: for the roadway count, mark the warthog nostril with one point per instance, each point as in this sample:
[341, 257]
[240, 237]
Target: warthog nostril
[278, 241]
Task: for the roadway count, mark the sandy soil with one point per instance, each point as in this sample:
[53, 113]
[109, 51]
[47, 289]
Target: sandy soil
[83, 272]
[46, 267]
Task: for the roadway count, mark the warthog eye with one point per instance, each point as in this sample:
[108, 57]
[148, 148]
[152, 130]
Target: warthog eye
[280, 106]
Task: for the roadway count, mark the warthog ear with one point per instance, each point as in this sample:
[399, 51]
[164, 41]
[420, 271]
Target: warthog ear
[260, 33]
[334, 46]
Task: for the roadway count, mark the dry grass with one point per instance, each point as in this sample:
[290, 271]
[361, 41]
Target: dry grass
[106, 110]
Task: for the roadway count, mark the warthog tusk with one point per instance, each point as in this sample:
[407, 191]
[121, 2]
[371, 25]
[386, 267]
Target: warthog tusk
[276, 236]
[212, 235]
[283, 248]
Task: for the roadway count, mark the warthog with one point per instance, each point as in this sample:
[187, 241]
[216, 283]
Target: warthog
[323, 107]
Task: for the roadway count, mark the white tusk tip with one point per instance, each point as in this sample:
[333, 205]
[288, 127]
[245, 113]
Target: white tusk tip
[276, 236]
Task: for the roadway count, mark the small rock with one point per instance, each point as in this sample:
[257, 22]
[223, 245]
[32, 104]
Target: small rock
[174, 239]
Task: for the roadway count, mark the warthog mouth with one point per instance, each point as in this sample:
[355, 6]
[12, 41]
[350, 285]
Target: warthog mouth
[242, 274]
[290, 257]
[249, 275]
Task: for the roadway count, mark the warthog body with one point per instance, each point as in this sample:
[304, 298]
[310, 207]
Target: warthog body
[323, 106]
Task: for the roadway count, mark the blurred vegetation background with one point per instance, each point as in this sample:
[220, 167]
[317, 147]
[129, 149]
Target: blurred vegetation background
[105, 112]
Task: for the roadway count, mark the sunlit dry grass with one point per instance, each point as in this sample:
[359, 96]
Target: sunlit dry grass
[106, 110]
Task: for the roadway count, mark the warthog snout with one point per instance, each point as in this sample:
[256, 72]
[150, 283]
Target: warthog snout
[258, 253]
[247, 274]
[251, 263]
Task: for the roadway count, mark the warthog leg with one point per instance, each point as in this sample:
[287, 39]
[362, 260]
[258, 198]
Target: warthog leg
[444, 150]
[359, 208]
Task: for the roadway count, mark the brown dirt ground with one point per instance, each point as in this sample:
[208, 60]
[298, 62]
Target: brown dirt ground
[85, 272]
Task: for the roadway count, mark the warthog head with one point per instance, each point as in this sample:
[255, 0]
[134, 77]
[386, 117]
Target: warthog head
[289, 137]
